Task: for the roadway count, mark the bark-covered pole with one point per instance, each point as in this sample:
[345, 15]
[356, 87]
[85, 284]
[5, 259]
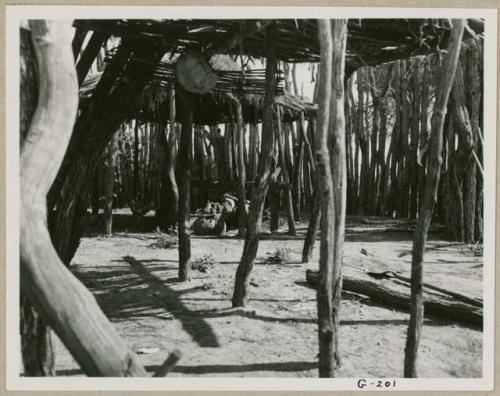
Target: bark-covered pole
[338, 163]
[284, 172]
[446, 75]
[262, 183]
[326, 329]
[172, 146]
[186, 165]
[109, 183]
[62, 300]
[242, 179]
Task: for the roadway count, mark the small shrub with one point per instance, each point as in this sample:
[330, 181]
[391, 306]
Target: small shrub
[202, 264]
[280, 255]
[165, 241]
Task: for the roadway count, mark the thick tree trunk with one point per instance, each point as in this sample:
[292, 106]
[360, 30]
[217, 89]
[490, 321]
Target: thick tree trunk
[185, 166]
[446, 75]
[66, 305]
[36, 339]
[260, 190]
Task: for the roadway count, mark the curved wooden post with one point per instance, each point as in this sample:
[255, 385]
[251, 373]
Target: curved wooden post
[260, 190]
[446, 76]
[62, 300]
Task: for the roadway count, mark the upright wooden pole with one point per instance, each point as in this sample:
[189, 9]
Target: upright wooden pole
[242, 179]
[338, 163]
[172, 146]
[109, 183]
[62, 300]
[446, 76]
[260, 190]
[284, 172]
[186, 165]
[326, 328]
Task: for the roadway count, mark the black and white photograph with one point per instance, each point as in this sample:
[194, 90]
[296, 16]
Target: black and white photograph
[250, 198]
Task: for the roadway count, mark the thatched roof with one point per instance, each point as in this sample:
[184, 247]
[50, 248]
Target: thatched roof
[230, 78]
[209, 109]
[370, 41]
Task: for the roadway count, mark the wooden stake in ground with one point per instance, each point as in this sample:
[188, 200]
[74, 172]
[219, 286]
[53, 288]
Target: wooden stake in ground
[338, 163]
[446, 76]
[109, 183]
[284, 172]
[327, 361]
[242, 179]
[62, 300]
[262, 183]
[172, 146]
[186, 164]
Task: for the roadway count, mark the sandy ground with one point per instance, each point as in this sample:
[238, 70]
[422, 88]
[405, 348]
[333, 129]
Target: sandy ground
[136, 286]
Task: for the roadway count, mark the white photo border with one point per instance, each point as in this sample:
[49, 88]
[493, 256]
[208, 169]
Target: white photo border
[15, 14]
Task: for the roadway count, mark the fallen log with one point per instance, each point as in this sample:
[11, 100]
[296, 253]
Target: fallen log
[441, 307]
[457, 296]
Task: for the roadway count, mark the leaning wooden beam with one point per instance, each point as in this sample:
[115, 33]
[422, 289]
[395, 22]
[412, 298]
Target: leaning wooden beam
[326, 329]
[242, 179]
[260, 190]
[284, 172]
[185, 165]
[63, 301]
[169, 364]
[77, 42]
[446, 76]
[338, 163]
[89, 54]
[111, 103]
[312, 228]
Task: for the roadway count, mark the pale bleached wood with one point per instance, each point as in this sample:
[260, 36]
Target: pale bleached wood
[446, 75]
[62, 300]
[326, 329]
